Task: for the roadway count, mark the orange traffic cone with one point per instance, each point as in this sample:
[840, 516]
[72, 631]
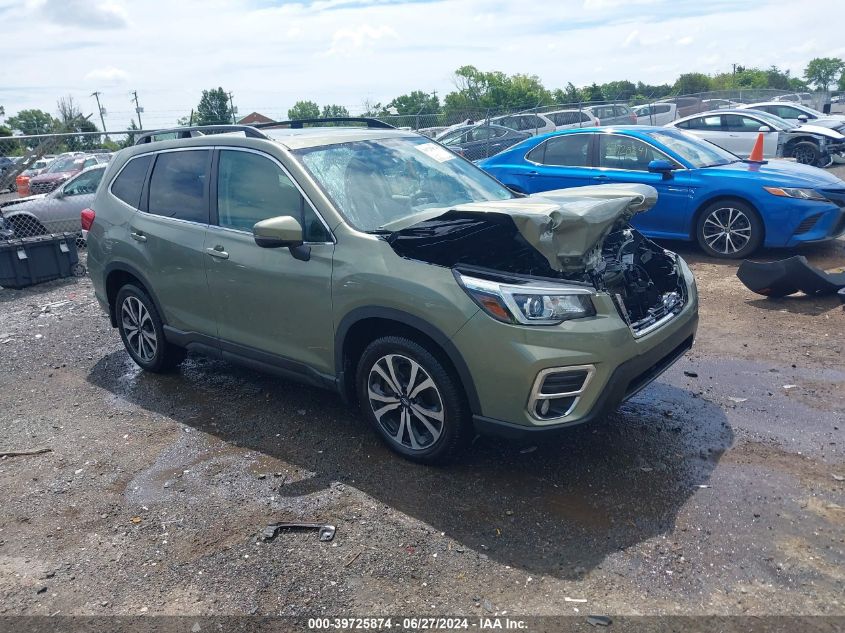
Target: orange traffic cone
[757, 153]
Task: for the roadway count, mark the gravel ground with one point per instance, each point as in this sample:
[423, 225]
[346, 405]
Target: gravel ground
[717, 490]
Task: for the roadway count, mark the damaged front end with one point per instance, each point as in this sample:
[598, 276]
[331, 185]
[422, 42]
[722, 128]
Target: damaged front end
[580, 237]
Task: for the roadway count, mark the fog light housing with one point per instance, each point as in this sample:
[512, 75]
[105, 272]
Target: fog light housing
[557, 390]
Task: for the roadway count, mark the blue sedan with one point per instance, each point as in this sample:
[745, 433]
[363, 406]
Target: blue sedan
[728, 205]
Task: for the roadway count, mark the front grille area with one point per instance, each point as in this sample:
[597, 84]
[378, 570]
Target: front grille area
[836, 196]
[42, 187]
[658, 368]
[807, 224]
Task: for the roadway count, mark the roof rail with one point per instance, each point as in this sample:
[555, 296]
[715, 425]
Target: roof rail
[299, 123]
[199, 130]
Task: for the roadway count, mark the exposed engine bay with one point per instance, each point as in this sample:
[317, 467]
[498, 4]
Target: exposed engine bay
[643, 279]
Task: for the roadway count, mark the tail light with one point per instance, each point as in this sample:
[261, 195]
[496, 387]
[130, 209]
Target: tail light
[87, 217]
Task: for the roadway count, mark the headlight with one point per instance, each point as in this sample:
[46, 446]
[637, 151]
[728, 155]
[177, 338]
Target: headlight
[793, 192]
[528, 304]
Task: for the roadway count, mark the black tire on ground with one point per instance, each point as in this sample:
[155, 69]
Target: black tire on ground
[428, 424]
[746, 229]
[807, 153]
[142, 332]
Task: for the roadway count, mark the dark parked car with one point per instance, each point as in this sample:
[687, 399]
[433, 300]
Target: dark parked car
[63, 169]
[475, 142]
[6, 166]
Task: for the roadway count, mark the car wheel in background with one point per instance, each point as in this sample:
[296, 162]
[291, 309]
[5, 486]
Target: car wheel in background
[412, 400]
[26, 226]
[806, 153]
[142, 331]
[729, 228]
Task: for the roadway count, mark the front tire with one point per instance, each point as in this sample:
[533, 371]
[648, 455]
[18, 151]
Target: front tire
[729, 229]
[412, 400]
[142, 331]
[807, 153]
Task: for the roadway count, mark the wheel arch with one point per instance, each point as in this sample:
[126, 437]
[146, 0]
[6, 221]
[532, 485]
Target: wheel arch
[363, 325]
[117, 275]
[719, 198]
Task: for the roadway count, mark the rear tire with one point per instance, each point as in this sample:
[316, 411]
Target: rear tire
[142, 331]
[730, 229]
[412, 400]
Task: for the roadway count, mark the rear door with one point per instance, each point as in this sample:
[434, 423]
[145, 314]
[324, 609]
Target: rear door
[270, 306]
[559, 163]
[625, 159]
[708, 127]
[168, 235]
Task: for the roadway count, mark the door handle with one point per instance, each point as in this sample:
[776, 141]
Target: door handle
[601, 177]
[138, 236]
[533, 173]
[217, 252]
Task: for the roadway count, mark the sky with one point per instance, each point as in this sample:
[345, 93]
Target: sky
[271, 53]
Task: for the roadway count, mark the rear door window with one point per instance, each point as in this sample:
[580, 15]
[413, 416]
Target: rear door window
[179, 185]
[570, 150]
[130, 181]
[739, 123]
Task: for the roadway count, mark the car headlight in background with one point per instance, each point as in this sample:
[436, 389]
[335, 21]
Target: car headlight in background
[795, 192]
[528, 304]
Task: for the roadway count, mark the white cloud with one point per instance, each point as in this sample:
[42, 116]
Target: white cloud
[82, 13]
[107, 75]
[684, 41]
[360, 39]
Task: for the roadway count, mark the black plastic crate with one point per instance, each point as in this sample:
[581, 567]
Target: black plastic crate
[34, 260]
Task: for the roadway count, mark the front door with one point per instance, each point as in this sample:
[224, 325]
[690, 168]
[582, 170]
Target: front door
[742, 132]
[270, 305]
[623, 159]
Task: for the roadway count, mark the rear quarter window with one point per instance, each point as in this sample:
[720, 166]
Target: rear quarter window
[178, 185]
[130, 181]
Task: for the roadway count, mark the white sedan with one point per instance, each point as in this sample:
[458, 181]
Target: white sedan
[738, 130]
[793, 112]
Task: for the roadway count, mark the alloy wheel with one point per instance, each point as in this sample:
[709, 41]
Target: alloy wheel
[139, 329]
[727, 230]
[804, 155]
[405, 401]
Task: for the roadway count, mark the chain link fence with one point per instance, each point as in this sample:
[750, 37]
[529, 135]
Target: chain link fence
[47, 180]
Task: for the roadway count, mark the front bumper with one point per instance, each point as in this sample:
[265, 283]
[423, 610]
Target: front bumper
[807, 221]
[505, 373]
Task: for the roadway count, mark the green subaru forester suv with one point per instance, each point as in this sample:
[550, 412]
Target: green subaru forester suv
[376, 263]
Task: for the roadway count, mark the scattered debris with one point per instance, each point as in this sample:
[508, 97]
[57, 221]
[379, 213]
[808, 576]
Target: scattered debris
[568, 599]
[36, 451]
[136, 520]
[788, 276]
[690, 374]
[599, 620]
[326, 532]
[737, 400]
[529, 449]
[352, 559]
[789, 386]
[838, 477]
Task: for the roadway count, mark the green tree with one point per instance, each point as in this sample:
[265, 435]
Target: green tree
[568, 94]
[690, 83]
[71, 119]
[592, 92]
[822, 71]
[416, 102]
[129, 141]
[334, 111]
[304, 110]
[618, 90]
[214, 108]
[32, 122]
[477, 89]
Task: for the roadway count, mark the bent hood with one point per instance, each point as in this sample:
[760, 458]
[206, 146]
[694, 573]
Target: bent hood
[819, 130]
[566, 226]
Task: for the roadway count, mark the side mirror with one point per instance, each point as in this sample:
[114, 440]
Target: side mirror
[764, 129]
[661, 167]
[278, 232]
[803, 118]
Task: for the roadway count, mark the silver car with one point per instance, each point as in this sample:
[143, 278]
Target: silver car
[57, 211]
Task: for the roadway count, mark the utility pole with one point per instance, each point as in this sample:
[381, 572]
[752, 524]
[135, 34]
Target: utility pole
[232, 106]
[96, 95]
[138, 108]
